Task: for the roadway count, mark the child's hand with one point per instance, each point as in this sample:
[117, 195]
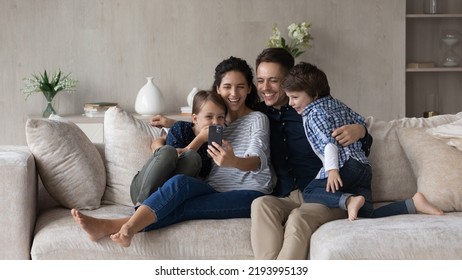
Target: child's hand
[334, 182]
[203, 135]
[179, 151]
[157, 143]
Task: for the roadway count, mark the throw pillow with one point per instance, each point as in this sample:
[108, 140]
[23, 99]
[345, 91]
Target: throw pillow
[450, 133]
[127, 148]
[436, 166]
[70, 166]
[392, 174]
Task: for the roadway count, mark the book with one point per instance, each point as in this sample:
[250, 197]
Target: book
[94, 114]
[97, 109]
[100, 104]
[186, 110]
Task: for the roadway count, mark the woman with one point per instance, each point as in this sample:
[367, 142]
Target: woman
[240, 174]
[185, 147]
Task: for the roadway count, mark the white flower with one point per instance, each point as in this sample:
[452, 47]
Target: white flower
[48, 85]
[300, 36]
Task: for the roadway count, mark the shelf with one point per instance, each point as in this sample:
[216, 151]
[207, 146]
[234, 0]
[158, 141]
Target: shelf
[433, 15]
[435, 69]
[432, 87]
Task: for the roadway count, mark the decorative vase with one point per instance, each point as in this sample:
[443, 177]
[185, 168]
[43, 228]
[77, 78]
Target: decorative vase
[149, 100]
[49, 95]
[190, 97]
[49, 110]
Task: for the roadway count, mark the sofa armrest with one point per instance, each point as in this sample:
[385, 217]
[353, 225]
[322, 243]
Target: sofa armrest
[18, 201]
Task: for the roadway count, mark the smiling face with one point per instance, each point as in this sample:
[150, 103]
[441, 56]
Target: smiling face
[210, 113]
[269, 79]
[299, 100]
[234, 90]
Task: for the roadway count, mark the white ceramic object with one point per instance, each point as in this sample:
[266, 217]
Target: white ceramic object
[149, 100]
[450, 41]
[190, 97]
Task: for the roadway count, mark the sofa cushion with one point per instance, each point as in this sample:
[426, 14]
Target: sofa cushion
[71, 169]
[392, 177]
[401, 237]
[127, 148]
[59, 237]
[436, 166]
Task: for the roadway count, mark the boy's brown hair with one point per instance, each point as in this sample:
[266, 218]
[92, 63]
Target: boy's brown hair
[308, 78]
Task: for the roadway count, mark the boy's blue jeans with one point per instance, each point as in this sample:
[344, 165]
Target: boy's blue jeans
[184, 198]
[356, 178]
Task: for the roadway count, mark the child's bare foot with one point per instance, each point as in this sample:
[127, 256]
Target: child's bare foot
[94, 227]
[123, 237]
[354, 203]
[422, 205]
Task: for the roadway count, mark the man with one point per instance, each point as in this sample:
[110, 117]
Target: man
[282, 224]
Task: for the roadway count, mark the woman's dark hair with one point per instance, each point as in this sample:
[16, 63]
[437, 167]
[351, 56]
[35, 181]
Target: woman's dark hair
[277, 55]
[240, 65]
[203, 96]
[308, 78]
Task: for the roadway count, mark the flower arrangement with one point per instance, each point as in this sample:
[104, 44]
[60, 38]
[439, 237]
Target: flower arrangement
[300, 36]
[49, 86]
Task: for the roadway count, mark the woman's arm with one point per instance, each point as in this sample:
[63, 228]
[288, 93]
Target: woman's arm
[224, 157]
[251, 138]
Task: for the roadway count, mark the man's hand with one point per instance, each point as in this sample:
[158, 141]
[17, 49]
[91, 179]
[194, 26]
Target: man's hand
[348, 134]
[162, 121]
[334, 182]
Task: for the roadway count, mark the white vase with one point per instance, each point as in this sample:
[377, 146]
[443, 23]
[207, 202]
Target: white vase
[190, 97]
[149, 100]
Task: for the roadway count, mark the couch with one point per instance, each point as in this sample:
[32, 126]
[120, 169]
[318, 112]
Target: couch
[60, 169]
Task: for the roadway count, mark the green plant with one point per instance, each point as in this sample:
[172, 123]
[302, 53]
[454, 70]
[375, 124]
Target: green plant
[300, 36]
[49, 86]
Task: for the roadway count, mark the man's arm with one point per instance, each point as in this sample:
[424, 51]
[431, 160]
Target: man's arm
[351, 133]
[162, 121]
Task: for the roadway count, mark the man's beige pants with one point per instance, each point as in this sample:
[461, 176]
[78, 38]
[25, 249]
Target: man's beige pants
[282, 227]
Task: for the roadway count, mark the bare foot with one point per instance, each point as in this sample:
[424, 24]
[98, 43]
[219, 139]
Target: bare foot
[422, 205]
[94, 227]
[123, 237]
[354, 203]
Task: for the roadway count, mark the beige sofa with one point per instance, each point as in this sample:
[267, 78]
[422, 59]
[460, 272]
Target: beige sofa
[35, 220]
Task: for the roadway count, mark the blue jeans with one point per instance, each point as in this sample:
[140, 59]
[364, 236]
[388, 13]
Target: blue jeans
[163, 164]
[184, 198]
[356, 178]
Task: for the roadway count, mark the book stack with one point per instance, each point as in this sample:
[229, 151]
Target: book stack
[97, 109]
[186, 110]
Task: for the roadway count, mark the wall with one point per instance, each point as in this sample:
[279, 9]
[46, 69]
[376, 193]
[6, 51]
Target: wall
[111, 46]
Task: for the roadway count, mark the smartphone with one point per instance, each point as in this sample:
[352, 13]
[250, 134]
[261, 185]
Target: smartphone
[215, 134]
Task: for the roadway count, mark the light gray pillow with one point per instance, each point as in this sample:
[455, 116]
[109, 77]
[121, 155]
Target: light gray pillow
[392, 174]
[127, 148]
[436, 166]
[71, 168]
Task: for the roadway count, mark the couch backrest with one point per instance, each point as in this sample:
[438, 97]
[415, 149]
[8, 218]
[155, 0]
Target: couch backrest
[392, 175]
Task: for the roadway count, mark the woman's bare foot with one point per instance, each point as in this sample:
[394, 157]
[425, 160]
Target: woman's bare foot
[422, 205]
[94, 227]
[123, 237]
[354, 203]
